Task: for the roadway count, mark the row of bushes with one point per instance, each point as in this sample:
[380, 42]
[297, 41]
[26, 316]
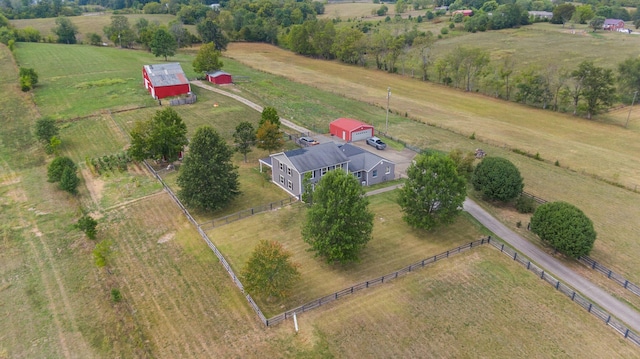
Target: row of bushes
[108, 163]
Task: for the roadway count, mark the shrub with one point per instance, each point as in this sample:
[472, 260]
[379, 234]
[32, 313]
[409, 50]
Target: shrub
[498, 179]
[57, 167]
[69, 181]
[46, 128]
[116, 296]
[88, 225]
[525, 204]
[565, 227]
[444, 31]
[102, 253]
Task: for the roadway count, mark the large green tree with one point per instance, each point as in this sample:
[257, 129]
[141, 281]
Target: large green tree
[65, 30]
[629, 76]
[433, 193]
[207, 59]
[596, 23]
[163, 43]
[596, 87]
[339, 222]
[270, 114]
[269, 272]
[57, 166]
[46, 128]
[563, 13]
[119, 31]
[210, 32]
[161, 137]
[208, 179]
[565, 227]
[244, 137]
[269, 137]
[69, 180]
[497, 179]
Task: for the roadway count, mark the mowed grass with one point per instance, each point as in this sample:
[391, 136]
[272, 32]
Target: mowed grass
[477, 304]
[394, 246]
[80, 80]
[584, 149]
[93, 23]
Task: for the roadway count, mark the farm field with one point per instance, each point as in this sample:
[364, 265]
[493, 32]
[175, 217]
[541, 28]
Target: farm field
[92, 23]
[586, 151]
[179, 302]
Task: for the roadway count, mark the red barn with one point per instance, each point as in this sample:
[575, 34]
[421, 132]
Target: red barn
[350, 130]
[219, 78]
[165, 80]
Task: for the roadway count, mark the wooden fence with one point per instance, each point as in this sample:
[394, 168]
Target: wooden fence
[371, 283]
[246, 213]
[610, 274]
[566, 290]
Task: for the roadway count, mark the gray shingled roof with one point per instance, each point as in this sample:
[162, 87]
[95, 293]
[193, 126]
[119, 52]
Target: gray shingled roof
[166, 74]
[316, 157]
[360, 160]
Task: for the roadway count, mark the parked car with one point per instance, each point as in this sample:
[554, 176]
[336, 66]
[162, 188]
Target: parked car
[307, 141]
[377, 143]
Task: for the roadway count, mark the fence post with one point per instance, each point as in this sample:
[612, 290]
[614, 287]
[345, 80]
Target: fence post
[608, 319]
[367, 285]
[489, 239]
[593, 266]
[515, 255]
[573, 296]
[542, 276]
[609, 275]
[590, 305]
[502, 248]
[626, 334]
[557, 285]
[252, 211]
[528, 265]
[626, 282]
[447, 254]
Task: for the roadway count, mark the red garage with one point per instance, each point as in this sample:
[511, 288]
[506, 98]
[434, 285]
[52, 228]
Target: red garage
[350, 130]
[165, 80]
[219, 78]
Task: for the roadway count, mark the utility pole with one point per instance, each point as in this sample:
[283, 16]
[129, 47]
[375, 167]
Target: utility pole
[631, 108]
[386, 130]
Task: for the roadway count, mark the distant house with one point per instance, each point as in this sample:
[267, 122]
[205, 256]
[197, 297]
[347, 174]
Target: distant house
[219, 78]
[613, 24]
[350, 130]
[463, 12]
[541, 14]
[289, 168]
[165, 80]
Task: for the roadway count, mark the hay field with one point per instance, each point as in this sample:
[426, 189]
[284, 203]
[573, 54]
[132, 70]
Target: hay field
[92, 23]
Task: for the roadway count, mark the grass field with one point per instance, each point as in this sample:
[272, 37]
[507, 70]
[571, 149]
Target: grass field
[179, 302]
[93, 23]
[89, 79]
[394, 246]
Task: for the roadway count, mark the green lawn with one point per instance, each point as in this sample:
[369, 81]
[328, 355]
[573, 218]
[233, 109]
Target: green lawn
[394, 246]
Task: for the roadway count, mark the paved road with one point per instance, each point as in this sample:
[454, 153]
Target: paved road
[557, 268]
[547, 262]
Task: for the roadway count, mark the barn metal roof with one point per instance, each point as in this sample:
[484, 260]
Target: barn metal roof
[350, 124]
[218, 73]
[170, 74]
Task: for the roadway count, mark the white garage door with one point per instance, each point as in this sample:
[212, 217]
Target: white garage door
[361, 135]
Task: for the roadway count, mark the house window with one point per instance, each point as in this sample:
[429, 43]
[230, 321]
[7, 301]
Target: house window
[359, 174]
[290, 185]
[388, 170]
[324, 172]
[313, 174]
[375, 173]
[289, 171]
[281, 167]
[282, 179]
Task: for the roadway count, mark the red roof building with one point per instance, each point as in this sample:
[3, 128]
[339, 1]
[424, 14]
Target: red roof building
[219, 78]
[350, 130]
[165, 80]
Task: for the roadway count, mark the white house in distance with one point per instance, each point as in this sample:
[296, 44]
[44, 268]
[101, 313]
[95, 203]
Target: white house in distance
[288, 168]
